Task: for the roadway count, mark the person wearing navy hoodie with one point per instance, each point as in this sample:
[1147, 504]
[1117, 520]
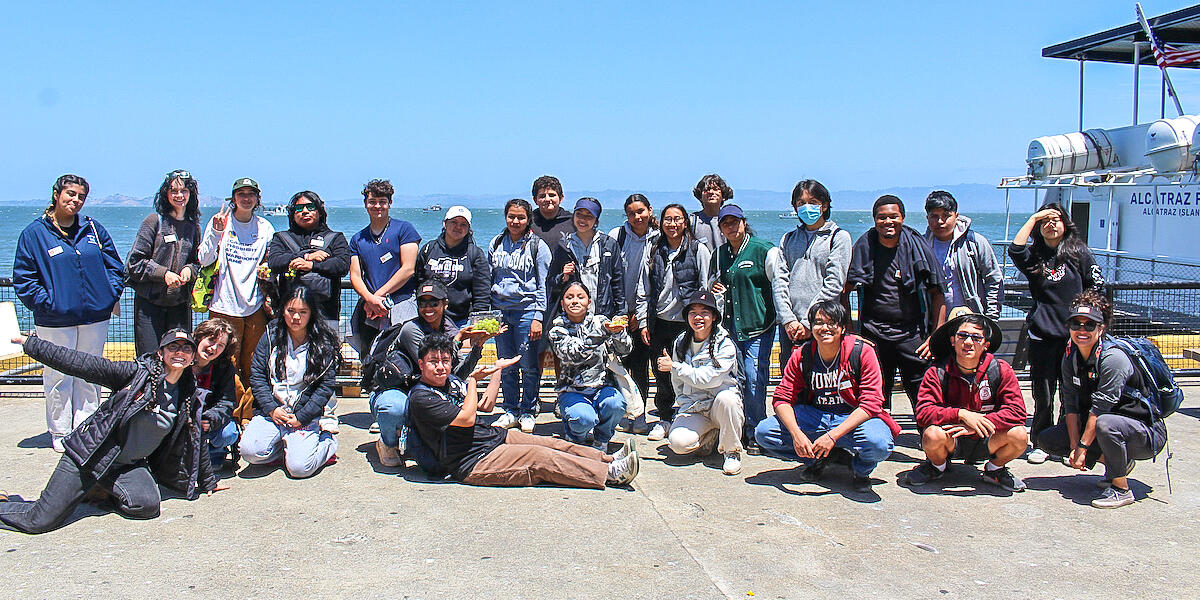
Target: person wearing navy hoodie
[455, 259]
[310, 249]
[68, 272]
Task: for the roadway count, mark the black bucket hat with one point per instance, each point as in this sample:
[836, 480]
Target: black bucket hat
[704, 298]
[939, 342]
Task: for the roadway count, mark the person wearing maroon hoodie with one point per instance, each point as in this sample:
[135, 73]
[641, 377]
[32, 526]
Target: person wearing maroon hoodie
[830, 401]
[969, 404]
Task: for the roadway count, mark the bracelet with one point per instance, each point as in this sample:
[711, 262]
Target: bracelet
[1083, 445]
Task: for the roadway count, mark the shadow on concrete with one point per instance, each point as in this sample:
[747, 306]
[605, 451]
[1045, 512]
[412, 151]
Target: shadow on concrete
[959, 480]
[358, 420]
[1082, 489]
[714, 460]
[409, 472]
[834, 481]
[1191, 412]
[41, 440]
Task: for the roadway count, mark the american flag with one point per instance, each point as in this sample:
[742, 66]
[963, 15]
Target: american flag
[1165, 54]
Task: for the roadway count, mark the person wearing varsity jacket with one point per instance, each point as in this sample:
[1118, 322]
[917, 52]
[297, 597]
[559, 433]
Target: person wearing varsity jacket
[830, 402]
[969, 404]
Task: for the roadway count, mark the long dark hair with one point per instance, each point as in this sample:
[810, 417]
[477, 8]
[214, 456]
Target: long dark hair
[685, 339]
[1071, 249]
[323, 344]
[162, 205]
[661, 240]
[644, 200]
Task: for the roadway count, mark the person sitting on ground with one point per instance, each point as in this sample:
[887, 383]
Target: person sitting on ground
[216, 385]
[293, 375]
[584, 344]
[139, 438]
[1105, 420]
[389, 405]
[708, 401]
[830, 401]
[443, 410]
[969, 404]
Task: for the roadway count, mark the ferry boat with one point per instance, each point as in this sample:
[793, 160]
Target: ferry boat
[279, 210]
[433, 208]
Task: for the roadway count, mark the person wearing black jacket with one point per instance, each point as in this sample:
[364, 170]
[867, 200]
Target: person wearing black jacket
[455, 259]
[216, 345]
[1058, 264]
[591, 257]
[310, 249]
[146, 434]
[550, 221]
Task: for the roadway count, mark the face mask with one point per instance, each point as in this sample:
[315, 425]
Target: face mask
[809, 213]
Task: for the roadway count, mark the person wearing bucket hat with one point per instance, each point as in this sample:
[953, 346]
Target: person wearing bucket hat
[141, 437]
[830, 402]
[463, 266]
[236, 240]
[969, 404]
[708, 401]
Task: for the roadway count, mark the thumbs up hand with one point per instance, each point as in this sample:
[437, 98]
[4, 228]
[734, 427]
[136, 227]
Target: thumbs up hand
[664, 362]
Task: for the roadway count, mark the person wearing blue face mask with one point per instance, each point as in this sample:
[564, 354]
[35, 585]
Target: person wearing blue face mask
[816, 256]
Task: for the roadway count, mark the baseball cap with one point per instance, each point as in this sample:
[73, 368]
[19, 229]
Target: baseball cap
[458, 211]
[590, 205]
[176, 335]
[433, 288]
[246, 182]
[730, 210]
[1087, 312]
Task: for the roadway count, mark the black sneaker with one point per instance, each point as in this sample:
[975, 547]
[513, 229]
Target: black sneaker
[923, 474]
[813, 471]
[751, 446]
[861, 484]
[1003, 478]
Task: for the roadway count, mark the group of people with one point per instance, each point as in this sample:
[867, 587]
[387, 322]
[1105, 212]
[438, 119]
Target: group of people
[693, 297]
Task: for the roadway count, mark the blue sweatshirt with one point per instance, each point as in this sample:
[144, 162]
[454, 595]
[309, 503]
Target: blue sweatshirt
[67, 282]
[518, 281]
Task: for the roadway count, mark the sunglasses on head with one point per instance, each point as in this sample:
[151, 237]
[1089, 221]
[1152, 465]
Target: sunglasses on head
[1086, 325]
[181, 174]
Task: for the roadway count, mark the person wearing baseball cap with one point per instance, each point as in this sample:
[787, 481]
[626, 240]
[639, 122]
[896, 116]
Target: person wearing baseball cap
[708, 402]
[969, 405]
[138, 439]
[238, 294]
[455, 259]
[590, 256]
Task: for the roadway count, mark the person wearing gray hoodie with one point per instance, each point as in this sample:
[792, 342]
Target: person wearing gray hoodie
[816, 257]
[974, 278]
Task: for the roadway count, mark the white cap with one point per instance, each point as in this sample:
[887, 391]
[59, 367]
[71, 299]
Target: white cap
[458, 211]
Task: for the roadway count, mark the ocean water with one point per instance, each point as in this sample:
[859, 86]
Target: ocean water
[122, 223]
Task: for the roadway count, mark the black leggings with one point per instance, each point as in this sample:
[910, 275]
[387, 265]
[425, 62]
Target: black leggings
[638, 363]
[901, 356]
[662, 337]
[1045, 371]
[134, 491]
[151, 321]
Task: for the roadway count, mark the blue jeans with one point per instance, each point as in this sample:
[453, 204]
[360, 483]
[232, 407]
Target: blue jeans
[520, 382]
[870, 442]
[601, 413]
[755, 354]
[218, 441]
[390, 408]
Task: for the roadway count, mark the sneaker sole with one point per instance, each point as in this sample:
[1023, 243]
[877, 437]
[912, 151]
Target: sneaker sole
[1000, 485]
[1114, 505]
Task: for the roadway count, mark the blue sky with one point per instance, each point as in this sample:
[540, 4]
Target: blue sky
[480, 98]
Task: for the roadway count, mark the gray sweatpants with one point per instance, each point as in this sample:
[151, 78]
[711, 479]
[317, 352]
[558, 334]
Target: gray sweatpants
[1119, 439]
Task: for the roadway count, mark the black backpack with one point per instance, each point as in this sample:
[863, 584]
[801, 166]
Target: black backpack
[387, 367]
[808, 354]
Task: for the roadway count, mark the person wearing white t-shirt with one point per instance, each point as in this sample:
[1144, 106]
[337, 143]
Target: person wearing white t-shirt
[236, 239]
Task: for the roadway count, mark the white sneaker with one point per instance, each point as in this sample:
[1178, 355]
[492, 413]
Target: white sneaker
[1037, 456]
[374, 428]
[659, 431]
[733, 463]
[526, 422]
[506, 421]
[57, 444]
[625, 450]
[1114, 498]
[622, 470]
[388, 456]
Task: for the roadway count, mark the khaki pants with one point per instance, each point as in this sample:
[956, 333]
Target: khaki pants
[524, 460]
[689, 431]
[248, 330]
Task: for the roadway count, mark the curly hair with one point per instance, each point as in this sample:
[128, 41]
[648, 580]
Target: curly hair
[709, 181]
[1095, 301]
[885, 200]
[547, 181]
[380, 188]
[162, 202]
[211, 328]
[436, 342]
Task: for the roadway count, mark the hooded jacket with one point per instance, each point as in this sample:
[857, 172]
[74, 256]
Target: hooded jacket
[163, 244]
[554, 229]
[67, 282]
[465, 271]
[633, 257]
[608, 298]
[219, 397]
[696, 378]
[584, 350]
[519, 273]
[812, 271]
[1004, 407]
[321, 237]
[313, 398]
[977, 275]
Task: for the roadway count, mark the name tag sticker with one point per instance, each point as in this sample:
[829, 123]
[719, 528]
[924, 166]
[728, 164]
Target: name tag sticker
[845, 385]
[318, 242]
[385, 257]
[1075, 380]
[170, 238]
[55, 251]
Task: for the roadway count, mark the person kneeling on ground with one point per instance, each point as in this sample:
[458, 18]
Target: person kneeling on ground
[144, 435]
[215, 373]
[708, 403]
[585, 344]
[443, 408]
[970, 405]
[292, 376]
[1105, 421]
[830, 401]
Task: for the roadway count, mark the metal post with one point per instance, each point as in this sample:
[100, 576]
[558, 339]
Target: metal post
[1137, 59]
[1080, 95]
[1108, 232]
[1007, 215]
[1162, 96]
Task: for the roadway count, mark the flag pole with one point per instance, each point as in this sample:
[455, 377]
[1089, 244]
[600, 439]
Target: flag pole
[1154, 46]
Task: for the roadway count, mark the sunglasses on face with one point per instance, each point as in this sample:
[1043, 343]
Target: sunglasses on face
[969, 337]
[1088, 325]
[180, 347]
[428, 303]
[306, 207]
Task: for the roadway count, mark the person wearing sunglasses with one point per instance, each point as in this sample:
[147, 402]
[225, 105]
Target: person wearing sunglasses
[163, 261]
[969, 405]
[455, 259]
[315, 255]
[1105, 420]
[143, 436]
[236, 239]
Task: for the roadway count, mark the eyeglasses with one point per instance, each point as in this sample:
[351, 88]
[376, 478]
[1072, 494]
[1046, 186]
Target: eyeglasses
[829, 324]
[180, 347]
[680, 220]
[1087, 325]
[428, 303]
[969, 337]
[306, 207]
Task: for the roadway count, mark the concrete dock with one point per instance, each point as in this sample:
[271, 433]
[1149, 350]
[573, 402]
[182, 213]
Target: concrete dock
[684, 530]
